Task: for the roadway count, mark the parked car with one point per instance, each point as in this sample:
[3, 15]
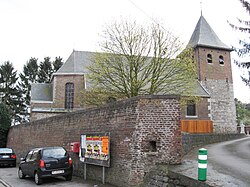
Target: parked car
[46, 162]
[7, 157]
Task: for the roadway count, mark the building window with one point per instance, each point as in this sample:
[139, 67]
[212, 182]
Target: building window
[191, 108]
[69, 95]
[209, 58]
[221, 60]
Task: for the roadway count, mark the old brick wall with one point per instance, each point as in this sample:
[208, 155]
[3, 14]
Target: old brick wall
[214, 70]
[134, 125]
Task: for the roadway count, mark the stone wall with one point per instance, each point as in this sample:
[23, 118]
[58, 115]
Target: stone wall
[133, 124]
[190, 141]
[223, 111]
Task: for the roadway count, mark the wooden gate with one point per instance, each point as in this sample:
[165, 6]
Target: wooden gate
[197, 126]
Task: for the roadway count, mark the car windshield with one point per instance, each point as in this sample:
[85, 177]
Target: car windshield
[54, 153]
[5, 150]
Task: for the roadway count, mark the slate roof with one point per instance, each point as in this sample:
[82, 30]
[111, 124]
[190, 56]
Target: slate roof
[199, 90]
[76, 63]
[204, 36]
[41, 92]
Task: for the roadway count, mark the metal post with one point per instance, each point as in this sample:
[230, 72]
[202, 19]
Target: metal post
[202, 165]
[85, 171]
[103, 175]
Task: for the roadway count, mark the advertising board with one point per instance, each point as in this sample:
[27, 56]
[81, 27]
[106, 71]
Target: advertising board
[95, 149]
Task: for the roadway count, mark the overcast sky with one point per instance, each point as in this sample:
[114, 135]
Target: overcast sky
[40, 28]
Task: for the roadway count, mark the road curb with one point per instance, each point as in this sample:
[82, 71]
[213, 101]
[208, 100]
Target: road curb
[4, 183]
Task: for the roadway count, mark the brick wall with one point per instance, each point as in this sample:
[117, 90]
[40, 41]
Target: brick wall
[214, 70]
[133, 124]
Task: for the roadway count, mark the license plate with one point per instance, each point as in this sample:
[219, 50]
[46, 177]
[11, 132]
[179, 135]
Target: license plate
[57, 172]
[5, 156]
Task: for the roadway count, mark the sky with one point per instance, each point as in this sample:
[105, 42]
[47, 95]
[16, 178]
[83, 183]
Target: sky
[41, 28]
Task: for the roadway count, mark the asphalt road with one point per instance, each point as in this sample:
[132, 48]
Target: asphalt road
[232, 158]
[9, 177]
[228, 163]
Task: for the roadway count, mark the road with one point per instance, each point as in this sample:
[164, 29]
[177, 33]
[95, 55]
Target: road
[228, 163]
[232, 158]
[9, 176]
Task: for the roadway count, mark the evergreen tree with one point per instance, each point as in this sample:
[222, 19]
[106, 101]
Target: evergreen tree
[244, 50]
[57, 64]
[45, 71]
[34, 73]
[27, 77]
[10, 92]
[5, 122]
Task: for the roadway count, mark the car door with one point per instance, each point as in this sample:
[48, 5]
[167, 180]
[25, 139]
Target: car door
[33, 163]
[25, 163]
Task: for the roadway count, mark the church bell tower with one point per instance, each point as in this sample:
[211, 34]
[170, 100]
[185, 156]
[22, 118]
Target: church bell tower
[215, 74]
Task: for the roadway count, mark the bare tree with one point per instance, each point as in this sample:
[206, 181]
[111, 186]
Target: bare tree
[139, 60]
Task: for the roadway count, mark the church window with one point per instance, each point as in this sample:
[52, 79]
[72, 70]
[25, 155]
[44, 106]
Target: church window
[221, 60]
[69, 95]
[191, 108]
[209, 58]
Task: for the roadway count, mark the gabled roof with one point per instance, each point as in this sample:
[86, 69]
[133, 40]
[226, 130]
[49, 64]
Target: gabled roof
[41, 92]
[204, 36]
[76, 63]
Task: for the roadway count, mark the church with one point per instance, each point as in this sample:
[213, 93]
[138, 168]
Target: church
[216, 107]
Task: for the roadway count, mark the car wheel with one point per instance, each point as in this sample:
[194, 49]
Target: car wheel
[38, 179]
[20, 174]
[68, 177]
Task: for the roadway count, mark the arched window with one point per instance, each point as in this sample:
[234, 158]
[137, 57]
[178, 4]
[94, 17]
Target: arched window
[221, 60]
[209, 59]
[69, 95]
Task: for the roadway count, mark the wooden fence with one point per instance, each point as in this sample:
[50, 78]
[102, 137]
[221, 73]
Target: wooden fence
[197, 126]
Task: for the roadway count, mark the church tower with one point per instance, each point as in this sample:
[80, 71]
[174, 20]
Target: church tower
[215, 74]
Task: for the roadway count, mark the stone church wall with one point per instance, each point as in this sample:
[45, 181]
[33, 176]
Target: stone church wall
[133, 125]
[223, 109]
